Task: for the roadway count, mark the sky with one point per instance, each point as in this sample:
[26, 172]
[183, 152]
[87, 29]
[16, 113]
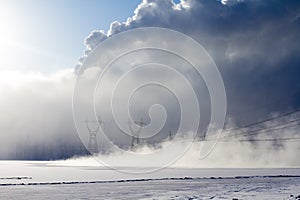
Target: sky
[46, 36]
[47, 45]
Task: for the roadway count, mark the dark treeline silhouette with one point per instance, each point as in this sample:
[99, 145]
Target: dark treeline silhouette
[61, 149]
[49, 152]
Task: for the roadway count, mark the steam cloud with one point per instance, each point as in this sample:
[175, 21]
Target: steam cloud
[252, 42]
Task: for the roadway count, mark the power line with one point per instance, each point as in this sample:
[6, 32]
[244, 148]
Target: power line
[263, 121]
[274, 130]
[264, 140]
[266, 129]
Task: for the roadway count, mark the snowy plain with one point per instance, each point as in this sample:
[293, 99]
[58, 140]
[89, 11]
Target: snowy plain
[72, 180]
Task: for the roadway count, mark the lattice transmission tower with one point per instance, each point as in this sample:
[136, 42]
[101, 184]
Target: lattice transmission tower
[136, 133]
[92, 131]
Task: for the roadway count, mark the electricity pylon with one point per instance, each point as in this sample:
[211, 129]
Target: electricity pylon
[136, 133]
[93, 144]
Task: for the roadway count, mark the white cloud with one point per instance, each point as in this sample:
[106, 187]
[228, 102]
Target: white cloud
[252, 42]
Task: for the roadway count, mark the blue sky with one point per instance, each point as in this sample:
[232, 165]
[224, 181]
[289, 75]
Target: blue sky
[46, 36]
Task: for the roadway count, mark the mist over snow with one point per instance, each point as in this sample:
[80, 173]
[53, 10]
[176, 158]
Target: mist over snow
[233, 154]
[36, 115]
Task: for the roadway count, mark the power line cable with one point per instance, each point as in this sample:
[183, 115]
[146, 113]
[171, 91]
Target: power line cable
[263, 121]
[264, 140]
[266, 129]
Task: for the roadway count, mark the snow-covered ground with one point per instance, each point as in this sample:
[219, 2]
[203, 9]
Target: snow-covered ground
[225, 188]
[71, 180]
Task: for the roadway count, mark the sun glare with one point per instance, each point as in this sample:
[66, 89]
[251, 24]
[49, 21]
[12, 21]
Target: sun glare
[12, 31]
